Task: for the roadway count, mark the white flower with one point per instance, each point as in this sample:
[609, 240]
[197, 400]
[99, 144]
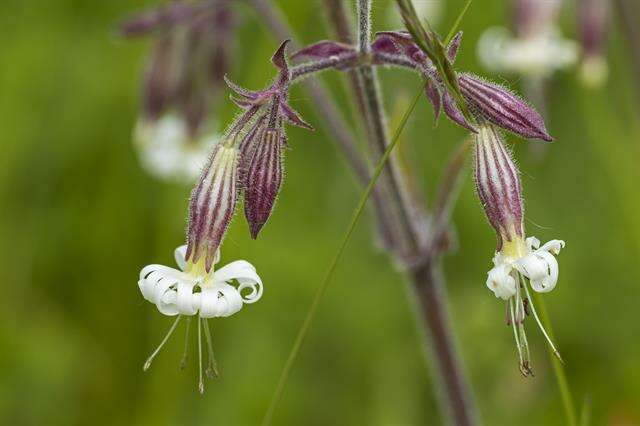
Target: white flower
[538, 55]
[536, 263]
[176, 292]
[516, 263]
[191, 291]
[167, 151]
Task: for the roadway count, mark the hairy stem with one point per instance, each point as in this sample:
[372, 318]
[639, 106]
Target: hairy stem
[423, 265]
[429, 288]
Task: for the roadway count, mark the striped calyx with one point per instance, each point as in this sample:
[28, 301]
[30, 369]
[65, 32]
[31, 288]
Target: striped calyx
[498, 185]
[212, 204]
[263, 179]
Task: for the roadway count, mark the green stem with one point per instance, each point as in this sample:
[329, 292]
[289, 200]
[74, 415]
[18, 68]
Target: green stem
[558, 367]
[311, 313]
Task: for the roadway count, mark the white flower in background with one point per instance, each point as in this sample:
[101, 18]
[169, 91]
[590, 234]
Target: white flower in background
[535, 48]
[192, 291]
[537, 55]
[519, 262]
[167, 151]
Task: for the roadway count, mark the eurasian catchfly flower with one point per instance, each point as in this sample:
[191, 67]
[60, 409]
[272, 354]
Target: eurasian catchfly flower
[519, 262]
[184, 75]
[193, 290]
[537, 49]
[246, 160]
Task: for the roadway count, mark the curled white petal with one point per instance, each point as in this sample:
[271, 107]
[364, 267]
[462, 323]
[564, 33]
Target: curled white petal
[246, 275]
[501, 282]
[221, 300]
[532, 243]
[179, 254]
[541, 268]
[553, 246]
[175, 292]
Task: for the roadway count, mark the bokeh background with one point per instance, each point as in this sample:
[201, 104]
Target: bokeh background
[79, 218]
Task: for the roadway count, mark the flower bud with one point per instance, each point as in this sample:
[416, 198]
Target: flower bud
[503, 108]
[212, 205]
[263, 179]
[498, 185]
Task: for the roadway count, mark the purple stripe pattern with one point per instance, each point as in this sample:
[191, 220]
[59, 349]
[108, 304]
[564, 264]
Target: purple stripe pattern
[212, 205]
[503, 108]
[264, 178]
[498, 185]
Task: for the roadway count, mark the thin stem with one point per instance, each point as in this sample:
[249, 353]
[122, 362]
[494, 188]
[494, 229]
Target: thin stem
[364, 26]
[409, 235]
[311, 313]
[149, 360]
[455, 395]
[558, 367]
[542, 328]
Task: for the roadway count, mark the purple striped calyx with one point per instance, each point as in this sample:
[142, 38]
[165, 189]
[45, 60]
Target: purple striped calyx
[212, 205]
[261, 136]
[498, 186]
[263, 179]
[485, 100]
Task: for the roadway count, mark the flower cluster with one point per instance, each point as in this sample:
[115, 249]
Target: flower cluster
[246, 160]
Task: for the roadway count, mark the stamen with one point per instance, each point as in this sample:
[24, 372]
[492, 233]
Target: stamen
[147, 363]
[185, 352]
[521, 343]
[507, 316]
[212, 366]
[200, 380]
[535, 315]
[525, 368]
[515, 332]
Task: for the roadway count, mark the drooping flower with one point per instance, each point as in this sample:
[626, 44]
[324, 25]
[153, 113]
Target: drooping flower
[195, 291]
[519, 262]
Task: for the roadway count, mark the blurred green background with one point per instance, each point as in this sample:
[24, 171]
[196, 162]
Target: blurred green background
[79, 218]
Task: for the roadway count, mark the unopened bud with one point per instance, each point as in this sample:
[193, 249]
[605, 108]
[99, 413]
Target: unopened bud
[263, 180]
[501, 107]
